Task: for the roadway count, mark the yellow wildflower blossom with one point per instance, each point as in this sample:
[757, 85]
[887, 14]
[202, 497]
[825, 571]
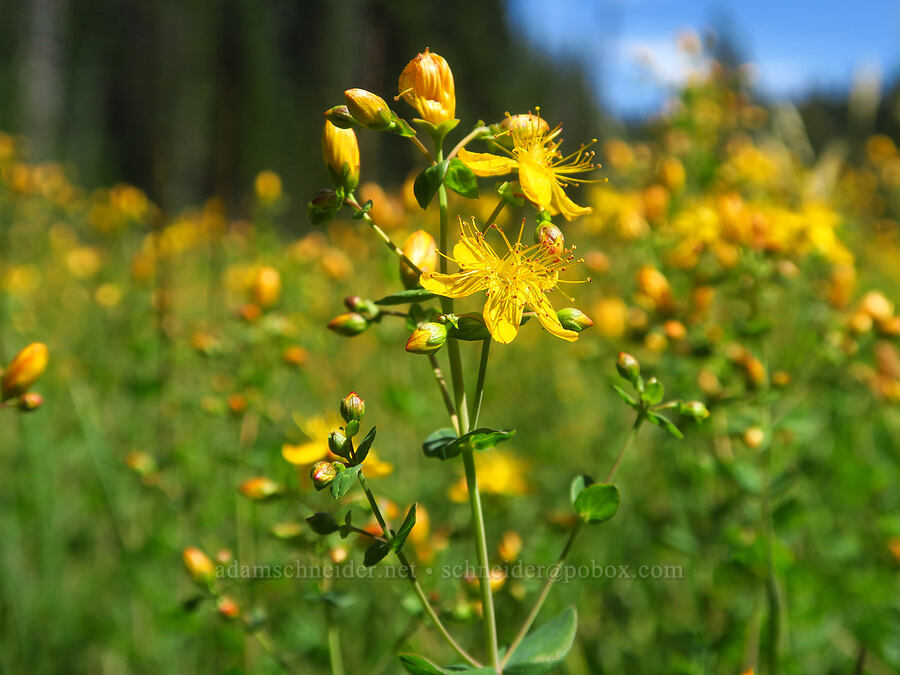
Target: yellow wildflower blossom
[521, 277]
[543, 170]
[316, 429]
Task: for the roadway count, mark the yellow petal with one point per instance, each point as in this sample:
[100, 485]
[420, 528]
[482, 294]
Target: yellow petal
[307, 453]
[562, 204]
[502, 315]
[457, 285]
[540, 304]
[486, 164]
[537, 183]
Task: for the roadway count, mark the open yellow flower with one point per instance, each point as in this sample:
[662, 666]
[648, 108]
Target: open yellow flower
[316, 430]
[543, 170]
[523, 276]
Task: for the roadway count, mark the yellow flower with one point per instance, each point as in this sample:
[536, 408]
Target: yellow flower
[521, 277]
[427, 85]
[316, 448]
[499, 473]
[543, 170]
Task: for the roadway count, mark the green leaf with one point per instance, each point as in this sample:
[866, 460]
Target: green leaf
[625, 396]
[508, 193]
[407, 526]
[461, 179]
[323, 523]
[544, 649]
[344, 481]
[597, 503]
[665, 423]
[653, 391]
[363, 210]
[405, 297]
[376, 553]
[362, 450]
[483, 438]
[419, 665]
[427, 183]
[578, 485]
[401, 127]
[351, 429]
[436, 445]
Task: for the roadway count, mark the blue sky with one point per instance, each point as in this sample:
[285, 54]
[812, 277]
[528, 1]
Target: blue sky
[796, 45]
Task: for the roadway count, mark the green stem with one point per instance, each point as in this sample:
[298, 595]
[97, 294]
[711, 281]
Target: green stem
[554, 571]
[484, 572]
[411, 575]
[479, 385]
[334, 643]
[352, 203]
[496, 212]
[445, 393]
[472, 135]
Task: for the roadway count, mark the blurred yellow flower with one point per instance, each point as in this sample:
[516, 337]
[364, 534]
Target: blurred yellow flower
[316, 430]
[267, 186]
[543, 170]
[523, 276]
[499, 473]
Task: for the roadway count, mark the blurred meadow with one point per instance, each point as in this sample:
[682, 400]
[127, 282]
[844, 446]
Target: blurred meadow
[156, 160]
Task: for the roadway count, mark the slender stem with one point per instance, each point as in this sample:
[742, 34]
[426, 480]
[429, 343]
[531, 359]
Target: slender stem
[553, 572]
[484, 572]
[411, 575]
[479, 385]
[496, 212]
[421, 148]
[263, 639]
[475, 133]
[334, 642]
[445, 393]
[351, 202]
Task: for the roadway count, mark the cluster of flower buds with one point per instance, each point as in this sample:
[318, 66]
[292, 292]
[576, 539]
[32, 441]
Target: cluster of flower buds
[19, 376]
[363, 313]
[340, 443]
[650, 393]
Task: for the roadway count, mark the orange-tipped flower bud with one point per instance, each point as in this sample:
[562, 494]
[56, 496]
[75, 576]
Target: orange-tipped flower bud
[628, 367]
[25, 369]
[694, 409]
[427, 338]
[348, 324]
[754, 437]
[227, 607]
[30, 401]
[198, 565]
[368, 309]
[267, 287]
[322, 473]
[352, 407]
[340, 117]
[341, 154]
[574, 319]
[427, 85]
[421, 249]
[259, 488]
[369, 109]
[551, 237]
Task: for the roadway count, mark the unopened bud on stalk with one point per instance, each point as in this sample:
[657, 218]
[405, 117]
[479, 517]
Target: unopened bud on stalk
[628, 367]
[326, 199]
[30, 401]
[340, 117]
[341, 154]
[199, 566]
[322, 473]
[694, 409]
[227, 607]
[24, 370]
[353, 407]
[525, 125]
[427, 85]
[427, 338]
[259, 488]
[348, 324]
[366, 308]
[267, 287]
[421, 249]
[338, 443]
[550, 236]
[369, 109]
[574, 319]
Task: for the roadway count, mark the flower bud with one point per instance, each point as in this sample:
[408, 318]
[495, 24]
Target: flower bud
[340, 117]
[352, 407]
[368, 309]
[525, 125]
[694, 409]
[259, 488]
[654, 285]
[341, 154]
[30, 401]
[198, 565]
[338, 443]
[325, 200]
[551, 237]
[427, 338]
[24, 370]
[574, 319]
[227, 607]
[267, 287]
[141, 463]
[348, 324]
[421, 249]
[427, 85]
[628, 367]
[369, 109]
[322, 473]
